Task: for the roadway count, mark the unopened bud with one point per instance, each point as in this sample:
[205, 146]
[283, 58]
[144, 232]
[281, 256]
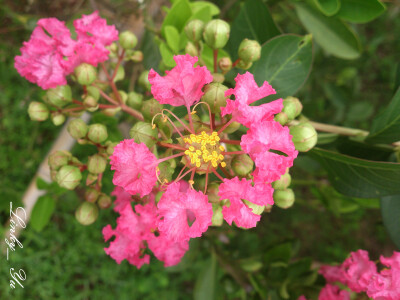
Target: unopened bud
[212, 192]
[216, 33]
[256, 209]
[194, 30]
[77, 128]
[91, 195]
[143, 132]
[137, 56]
[150, 108]
[217, 217]
[284, 198]
[57, 118]
[93, 91]
[120, 74]
[225, 64]
[214, 96]
[218, 77]
[96, 164]
[144, 80]
[69, 177]
[90, 103]
[249, 50]
[97, 133]
[113, 47]
[87, 213]
[59, 96]
[282, 118]
[104, 201]
[283, 182]
[38, 111]
[191, 49]
[122, 95]
[135, 100]
[58, 159]
[110, 148]
[244, 65]
[292, 107]
[231, 128]
[85, 74]
[242, 165]
[111, 111]
[304, 136]
[127, 40]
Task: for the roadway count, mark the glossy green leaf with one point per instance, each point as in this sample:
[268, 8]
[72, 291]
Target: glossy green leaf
[177, 16]
[386, 126]
[285, 63]
[390, 209]
[360, 11]
[167, 55]
[199, 5]
[328, 7]
[42, 212]
[172, 37]
[205, 284]
[204, 14]
[253, 22]
[334, 36]
[360, 178]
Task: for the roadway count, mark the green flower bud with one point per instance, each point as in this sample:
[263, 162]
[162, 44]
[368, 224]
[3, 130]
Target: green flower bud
[87, 213]
[144, 80]
[225, 64]
[214, 96]
[53, 175]
[217, 218]
[85, 74]
[77, 128]
[150, 108]
[110, 148]
[120, 74]
[283, 182]
[91, 104]
[38, 111]
[143, 132]
[113, 47]
[127, 40]
[104, 201]
[218, 77]
[244, 65]
[91, 178]
[284, 198]
[282, 118]
[212, 192]
[216, 33]
[59, 96]
[97, 164]
[69, 177]
[135, 100]
[292, 107]
[249, 50]
[234, 126]
[256, 209]
[191, 49]
[97, 133]
[137, 56]
[122, 95]
[194, 30]
[304, 136]
[57, 118]
[58, 159]
[242, 165]
[93, 92]
[111, 111]
[91, 195]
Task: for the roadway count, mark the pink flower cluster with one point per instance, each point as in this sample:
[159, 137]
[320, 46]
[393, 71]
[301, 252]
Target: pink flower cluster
[51, 54]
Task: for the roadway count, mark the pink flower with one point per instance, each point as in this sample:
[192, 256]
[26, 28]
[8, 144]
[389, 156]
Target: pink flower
[182, 85]
[332, 292]
[177, 208]
[247, 92]
[168, 251]
[261, 142]
[236, 191]
[393, 261]
[123, 198]
[332, 273]
[135, 167]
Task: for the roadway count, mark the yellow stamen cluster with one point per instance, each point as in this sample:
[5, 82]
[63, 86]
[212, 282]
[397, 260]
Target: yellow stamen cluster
[204, 149]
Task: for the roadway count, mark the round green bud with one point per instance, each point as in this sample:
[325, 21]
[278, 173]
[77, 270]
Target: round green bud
[292, 107]
[194, 30]
[69, 177]
[53, 175]
[127, 40]
[135, 100]
[58, 159]
[111, 111]
[57, 118]
[77, 128]
[217, 218]
[216, 33]
[249, 50]
[59, 96]
[244, 65]
[144, 80]
[218, 77]
[91, 178]
[97, 164]
[150, 108]
[91, 195]
[93, 92]
[85, 74]
[283, 182]
[38, 111]
[242, 165]
[191, 49]
[212, 192]
[257, 209]
[231, 128]
[282, 118]
[110, 148]
[143, 132]
[104, 201]
[136, 56]
[284, 198]
[91, 104]
[214, 96]
[87, 213]
[122, 95]
[120, 74]
[97, 133]
[304, 136]
[225, 64]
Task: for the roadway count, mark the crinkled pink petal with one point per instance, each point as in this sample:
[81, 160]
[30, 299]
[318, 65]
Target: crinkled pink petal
[241, 214]
[393, 261]
[332, 273]
[182, 85]
[332, 292]
[176, 208]
[385, 285]
[123, 198]
[135, 167]
[260, 140]
[168, 251]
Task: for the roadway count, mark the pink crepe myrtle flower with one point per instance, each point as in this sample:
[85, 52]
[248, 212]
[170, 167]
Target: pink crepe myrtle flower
[177, 208]
[236, 191]
[123, 198]
[332, 292]
[168, 251]
[135, 167]
[182, 85]
[246, 92]
[332, 273]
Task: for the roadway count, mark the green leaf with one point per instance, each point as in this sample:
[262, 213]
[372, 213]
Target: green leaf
[177, 16]
[203, 14]
[42, 212]
[199, 5]
[205, 284]
[390, 209]
[285, 63]
[360, 11]
[167, 55]
[172, 37]
[42, 184]
[253, 22]
[334, 36]
[280, 253]
[360, 178]
[386, 126]
[328, 7]
[153, 57]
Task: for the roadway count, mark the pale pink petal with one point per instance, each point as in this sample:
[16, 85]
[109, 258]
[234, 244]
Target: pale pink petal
[332, 273]
[123, 198]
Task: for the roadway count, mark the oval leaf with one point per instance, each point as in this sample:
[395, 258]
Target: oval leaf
[285, 63]
[172, 37]
[360, 11]
[328, 7]
[42, 212]
[334, 36]
[390, 209]
[205, 284]
[177, 16]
